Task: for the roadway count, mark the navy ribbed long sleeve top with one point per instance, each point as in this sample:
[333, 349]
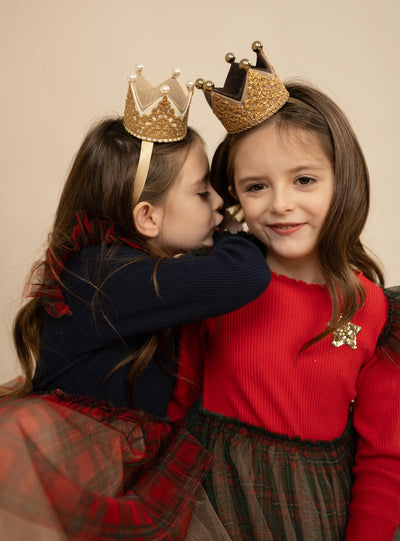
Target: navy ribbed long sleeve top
[78, 351]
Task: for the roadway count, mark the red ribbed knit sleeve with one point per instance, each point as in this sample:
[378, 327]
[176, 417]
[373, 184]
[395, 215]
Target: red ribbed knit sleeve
[374, 511]
[189, 382]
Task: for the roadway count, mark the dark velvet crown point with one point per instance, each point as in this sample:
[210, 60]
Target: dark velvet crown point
[250, 94]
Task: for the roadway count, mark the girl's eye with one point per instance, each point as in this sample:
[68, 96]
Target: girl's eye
[256, 187]
[204, 195]
[305, 181]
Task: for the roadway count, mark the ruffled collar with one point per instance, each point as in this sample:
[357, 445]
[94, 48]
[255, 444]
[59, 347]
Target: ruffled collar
[47, 283]
[287, 279]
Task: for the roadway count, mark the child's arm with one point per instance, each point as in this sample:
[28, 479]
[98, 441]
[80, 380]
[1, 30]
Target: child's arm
[188, 288]
[375, 506]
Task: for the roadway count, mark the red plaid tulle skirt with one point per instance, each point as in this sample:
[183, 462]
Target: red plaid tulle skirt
[76, 469]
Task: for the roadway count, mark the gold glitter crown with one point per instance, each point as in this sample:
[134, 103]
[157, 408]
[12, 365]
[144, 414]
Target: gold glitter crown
[250, 95]
[157, 114]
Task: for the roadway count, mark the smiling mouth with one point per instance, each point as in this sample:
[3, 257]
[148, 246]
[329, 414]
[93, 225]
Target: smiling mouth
[285, 229]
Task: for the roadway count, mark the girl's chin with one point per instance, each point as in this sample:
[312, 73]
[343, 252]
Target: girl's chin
[208, 243]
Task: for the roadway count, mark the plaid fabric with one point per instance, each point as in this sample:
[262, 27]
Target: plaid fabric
[269, 487]
[80, 470]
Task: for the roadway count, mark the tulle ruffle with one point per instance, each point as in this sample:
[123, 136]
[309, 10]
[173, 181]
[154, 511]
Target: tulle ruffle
[46, 282]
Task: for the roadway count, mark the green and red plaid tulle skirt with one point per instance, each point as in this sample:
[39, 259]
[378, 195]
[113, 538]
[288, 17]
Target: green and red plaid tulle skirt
[266, 486]
[76, 469]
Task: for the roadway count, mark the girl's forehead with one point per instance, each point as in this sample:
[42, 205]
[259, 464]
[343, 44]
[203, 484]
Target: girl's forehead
[289, 138]
[195, 166]
[285, 134]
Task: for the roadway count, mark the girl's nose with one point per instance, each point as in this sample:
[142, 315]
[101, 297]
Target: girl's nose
[217, 201]
[281, 200]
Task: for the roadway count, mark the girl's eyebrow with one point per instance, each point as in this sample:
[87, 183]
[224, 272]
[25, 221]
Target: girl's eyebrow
[308, 167]
[202, 180]
[252, 178]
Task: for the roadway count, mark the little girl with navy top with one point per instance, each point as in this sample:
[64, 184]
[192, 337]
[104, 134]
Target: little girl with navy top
[85, 450]
[301, 387]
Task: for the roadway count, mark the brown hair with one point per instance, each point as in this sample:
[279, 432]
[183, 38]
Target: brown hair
[339, 248]
[100, 184]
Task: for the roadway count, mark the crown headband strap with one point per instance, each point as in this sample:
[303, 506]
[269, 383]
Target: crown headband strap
[142, 170]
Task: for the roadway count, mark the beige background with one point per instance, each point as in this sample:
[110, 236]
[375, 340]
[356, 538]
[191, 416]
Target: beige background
[64, 64]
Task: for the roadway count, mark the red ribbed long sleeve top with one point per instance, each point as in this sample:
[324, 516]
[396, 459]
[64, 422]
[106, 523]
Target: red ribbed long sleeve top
[248, 367]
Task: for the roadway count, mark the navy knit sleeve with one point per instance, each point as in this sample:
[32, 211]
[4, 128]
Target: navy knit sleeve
[189, 288]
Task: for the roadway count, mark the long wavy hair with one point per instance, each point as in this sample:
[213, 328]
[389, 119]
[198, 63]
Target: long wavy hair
[100, 184]
[340, 249]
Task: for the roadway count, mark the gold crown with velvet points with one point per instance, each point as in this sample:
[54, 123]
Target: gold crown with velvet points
[157, 114]
[250, 95]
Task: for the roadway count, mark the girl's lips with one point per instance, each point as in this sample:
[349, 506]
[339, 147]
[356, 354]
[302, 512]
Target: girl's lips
[218, 222]
[285, 229]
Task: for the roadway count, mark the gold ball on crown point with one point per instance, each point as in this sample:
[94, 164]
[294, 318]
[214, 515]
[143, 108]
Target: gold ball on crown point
[229, 57]
[208, 86]
[199, 83]
[256, 46]
[244, 64]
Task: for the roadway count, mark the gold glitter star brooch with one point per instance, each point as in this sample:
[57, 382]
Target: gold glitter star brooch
[346, 335]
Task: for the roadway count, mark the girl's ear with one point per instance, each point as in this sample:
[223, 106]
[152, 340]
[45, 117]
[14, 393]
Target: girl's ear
[147, 219]
[232, 192]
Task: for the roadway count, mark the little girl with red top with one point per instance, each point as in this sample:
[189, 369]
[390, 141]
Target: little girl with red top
[86, 452]
[301, 387]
